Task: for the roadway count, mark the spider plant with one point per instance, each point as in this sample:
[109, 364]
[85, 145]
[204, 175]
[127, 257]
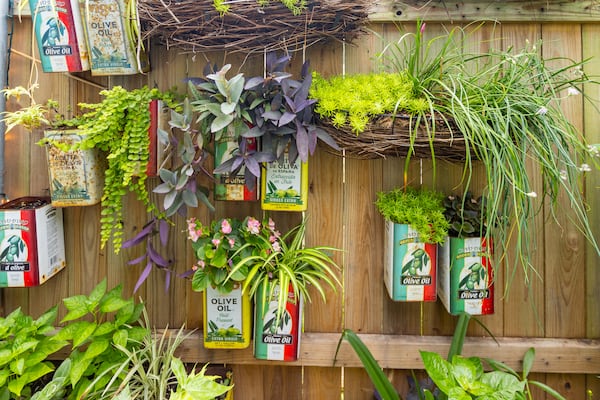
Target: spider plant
[507, 106]
[283, 260]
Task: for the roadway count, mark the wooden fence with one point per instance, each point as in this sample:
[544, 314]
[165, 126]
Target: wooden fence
[556, 312]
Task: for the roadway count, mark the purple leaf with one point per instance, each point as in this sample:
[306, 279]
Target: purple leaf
[255, 131]
[167, 280]
[143, 276]
[253, 166]
[237, 163]
[254, 82]
[186, 274]
[163, 230]
[272, 115]
[137, 260]
[286, 118]
[156, 258]
[327, 139]
[263, 156]
[312, 141]
[302, 141]
[141, 236]
[224, 167]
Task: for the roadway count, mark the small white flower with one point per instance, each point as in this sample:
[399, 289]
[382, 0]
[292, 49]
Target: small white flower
[563, 175]
[542, 111]
[572, 91]
[585, 168]
[532, 194]
[594, 150]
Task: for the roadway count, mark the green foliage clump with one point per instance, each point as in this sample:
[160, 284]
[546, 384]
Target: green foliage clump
[422, 209]
[356, 99]
[118, 125]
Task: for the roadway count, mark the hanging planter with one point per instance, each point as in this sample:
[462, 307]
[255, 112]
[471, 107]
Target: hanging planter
[410, 265]
[76, 175]
[277, 336]
[227, 318]
[415, 224]
[250, 26]
[466, 281]
[466, 275]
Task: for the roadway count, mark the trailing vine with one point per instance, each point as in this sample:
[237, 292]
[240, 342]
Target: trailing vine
[119, 126]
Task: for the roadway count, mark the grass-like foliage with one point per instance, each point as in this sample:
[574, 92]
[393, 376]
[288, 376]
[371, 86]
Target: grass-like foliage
[507, 105]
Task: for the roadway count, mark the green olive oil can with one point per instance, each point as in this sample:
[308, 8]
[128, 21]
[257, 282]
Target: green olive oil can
[466, 281]
[284, 185]
[410, 265]
[227, 319]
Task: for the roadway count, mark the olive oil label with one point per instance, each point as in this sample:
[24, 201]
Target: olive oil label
[31, 242]
[226, 323]
[466, 276]
[410, 265]
[76, 176]
[234, 186]
[277, 338]
[111, 50]
[60, 35]
[285, 185]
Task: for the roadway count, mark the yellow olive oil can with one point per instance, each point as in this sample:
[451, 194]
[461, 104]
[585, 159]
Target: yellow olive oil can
[76, 176]
[284, 185]
[465, 281]
[227, 319]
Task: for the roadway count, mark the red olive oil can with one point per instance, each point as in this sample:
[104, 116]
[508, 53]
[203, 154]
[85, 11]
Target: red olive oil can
[278, 339]
[32, 243]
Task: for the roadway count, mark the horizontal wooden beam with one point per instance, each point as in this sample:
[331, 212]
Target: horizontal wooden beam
[478, 10]
[577, 356]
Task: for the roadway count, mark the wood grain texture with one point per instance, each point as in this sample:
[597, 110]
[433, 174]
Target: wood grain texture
[524, 291]
[342, 214]
[590, 34]
[477, 10]
[565, 245]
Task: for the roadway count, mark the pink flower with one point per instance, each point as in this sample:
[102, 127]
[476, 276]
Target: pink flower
[253, 226]
[231, 242]
[423, 27]
[225, 227]
[194, 232]
[216, 242]
[271, 224]
[276, 246]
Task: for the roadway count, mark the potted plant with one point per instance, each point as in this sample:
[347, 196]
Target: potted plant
[76, 176]
[455, 376]
[279, 274]
[498, 109]
[415, 224]
[465, 272]
[116, 127]
[227, 310]
[274, 110]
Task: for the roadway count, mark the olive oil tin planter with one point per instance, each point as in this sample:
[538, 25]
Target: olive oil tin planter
[284, 185]
[76, 176]
[466, 276]
[227, 319]
[277, 340]
[230, 186]
[410, 266]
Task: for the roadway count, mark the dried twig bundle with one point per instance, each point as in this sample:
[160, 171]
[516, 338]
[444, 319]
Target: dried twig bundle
[195, 25]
